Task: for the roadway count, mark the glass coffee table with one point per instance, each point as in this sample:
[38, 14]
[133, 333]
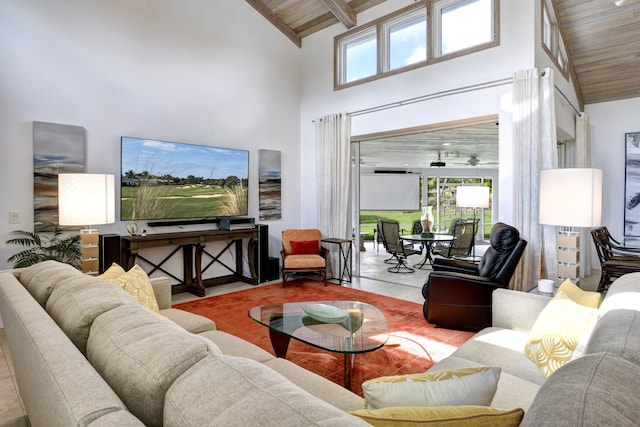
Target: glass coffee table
[346, 327]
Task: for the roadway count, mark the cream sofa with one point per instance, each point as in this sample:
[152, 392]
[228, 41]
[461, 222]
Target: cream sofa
[86, 353]
[596, 389]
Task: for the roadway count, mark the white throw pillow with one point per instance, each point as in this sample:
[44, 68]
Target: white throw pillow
[470, 386]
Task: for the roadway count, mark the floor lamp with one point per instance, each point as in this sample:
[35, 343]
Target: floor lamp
[86, 200]
[570, 197]
[473, 196]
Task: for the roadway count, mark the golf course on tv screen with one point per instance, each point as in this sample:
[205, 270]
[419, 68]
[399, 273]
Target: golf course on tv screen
[171, 180]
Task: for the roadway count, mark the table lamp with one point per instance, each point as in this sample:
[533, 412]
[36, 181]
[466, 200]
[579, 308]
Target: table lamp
[570, 197]
[86, 200]
[472, 196]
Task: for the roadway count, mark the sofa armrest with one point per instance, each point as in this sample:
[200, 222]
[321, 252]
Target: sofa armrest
[516, 310]
[162, 291]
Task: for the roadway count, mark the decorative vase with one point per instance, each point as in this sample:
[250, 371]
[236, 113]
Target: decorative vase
[427, 220]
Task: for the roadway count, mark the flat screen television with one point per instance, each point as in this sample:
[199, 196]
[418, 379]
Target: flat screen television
[173, 180]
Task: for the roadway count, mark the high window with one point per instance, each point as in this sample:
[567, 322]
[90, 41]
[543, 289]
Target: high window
[462, 24]
[411, 38]
[552, 41]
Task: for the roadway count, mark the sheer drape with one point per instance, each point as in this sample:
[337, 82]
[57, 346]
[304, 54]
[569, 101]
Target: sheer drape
[534, 140]
[583, 160]
[333, 165]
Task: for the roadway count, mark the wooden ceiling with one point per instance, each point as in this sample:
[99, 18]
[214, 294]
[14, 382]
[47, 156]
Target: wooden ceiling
[602, 37]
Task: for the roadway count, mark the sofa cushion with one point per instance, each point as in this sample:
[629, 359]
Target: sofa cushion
[41, 278]
[77, 301]
[137, 283]
[58, 386]
[557, 332]
[140, 354]
[501, 347]
[441, 416]
[617, 332]
[623, 293]
[468, 386]
[316, 385]
[192, 322]
[596, 390]
[121, 418]
[254, 395]
[234, 346]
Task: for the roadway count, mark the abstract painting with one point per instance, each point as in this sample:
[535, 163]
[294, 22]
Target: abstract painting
[56, 149]
[632, 185]
[270, 188]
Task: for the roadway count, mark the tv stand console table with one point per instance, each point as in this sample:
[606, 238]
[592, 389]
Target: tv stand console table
[192, 244]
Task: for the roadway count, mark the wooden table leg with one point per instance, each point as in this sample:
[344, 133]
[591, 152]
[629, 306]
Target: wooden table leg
[279, 342]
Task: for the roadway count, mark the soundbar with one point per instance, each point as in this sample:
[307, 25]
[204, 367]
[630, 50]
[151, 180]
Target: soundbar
[184, 222]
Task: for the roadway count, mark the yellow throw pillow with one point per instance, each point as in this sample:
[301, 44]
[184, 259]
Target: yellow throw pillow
[470, 386]
[137, 283]
[112, 272]
[440, 416]
[557, 332]
[582, 297]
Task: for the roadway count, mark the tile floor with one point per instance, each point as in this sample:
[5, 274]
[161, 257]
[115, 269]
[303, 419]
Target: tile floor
[403, 286]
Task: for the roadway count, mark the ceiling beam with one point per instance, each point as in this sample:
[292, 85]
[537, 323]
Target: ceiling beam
[341, 10]
[279, 23]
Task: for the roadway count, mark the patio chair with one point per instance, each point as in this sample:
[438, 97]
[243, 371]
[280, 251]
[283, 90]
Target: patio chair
[615, 260]
[463, 232]
[398, 249]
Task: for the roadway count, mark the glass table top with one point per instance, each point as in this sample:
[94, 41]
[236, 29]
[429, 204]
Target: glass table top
[363, 329]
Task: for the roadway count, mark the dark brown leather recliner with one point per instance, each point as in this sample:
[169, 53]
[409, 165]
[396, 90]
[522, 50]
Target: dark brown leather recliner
[458, 293]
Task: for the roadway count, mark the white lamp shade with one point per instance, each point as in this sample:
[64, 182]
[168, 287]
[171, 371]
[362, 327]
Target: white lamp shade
[571, 197]
[472, 196]
[86, 199]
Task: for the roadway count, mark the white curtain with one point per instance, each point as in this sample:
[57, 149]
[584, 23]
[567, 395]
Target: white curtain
[333, 166]
[534, 139]
[583, 160]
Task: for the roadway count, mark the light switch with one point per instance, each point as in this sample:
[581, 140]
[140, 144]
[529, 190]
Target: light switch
[14, 217]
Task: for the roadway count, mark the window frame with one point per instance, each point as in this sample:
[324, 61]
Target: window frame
[440, 5]
[408, 13]
[557, 52]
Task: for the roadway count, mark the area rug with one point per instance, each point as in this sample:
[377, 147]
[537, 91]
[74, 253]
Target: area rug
[414, 345]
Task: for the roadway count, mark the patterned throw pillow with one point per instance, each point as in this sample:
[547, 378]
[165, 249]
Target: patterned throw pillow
[469, 386]
[136, 282]
[112, 272]
[556, 332]
[579, 296]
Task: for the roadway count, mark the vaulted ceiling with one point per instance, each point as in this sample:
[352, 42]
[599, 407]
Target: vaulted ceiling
[602, 38]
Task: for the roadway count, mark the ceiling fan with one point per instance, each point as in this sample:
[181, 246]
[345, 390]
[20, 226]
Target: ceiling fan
[439, 163]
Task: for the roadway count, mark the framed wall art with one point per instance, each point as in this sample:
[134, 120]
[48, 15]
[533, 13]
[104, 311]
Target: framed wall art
[632, 185]
[56, 149]
[270, 184]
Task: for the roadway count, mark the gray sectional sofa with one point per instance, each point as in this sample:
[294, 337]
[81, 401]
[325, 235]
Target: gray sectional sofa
[86, 353]
[599, 388]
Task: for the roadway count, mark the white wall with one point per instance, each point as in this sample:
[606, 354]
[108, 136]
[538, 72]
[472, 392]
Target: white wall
[197, 71]
[319, 99]
[609, 122]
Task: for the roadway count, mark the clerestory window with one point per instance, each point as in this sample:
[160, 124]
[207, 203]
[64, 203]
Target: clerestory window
[412, 38]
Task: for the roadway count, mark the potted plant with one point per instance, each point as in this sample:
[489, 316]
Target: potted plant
[48, 243]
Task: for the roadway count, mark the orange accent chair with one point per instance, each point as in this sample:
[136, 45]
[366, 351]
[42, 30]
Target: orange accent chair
[302, 252]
